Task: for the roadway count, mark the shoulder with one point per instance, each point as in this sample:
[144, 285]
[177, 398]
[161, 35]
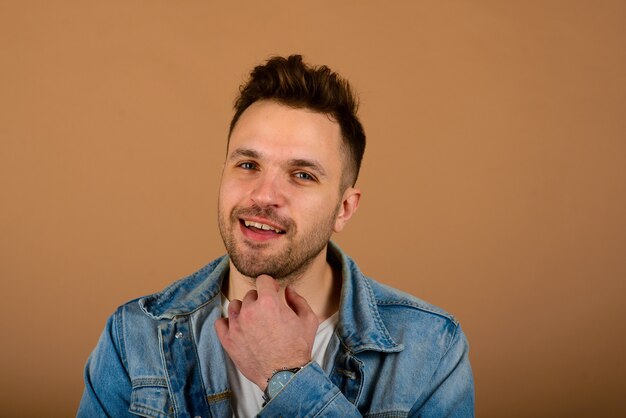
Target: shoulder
[182, 297]
[401, 314]
[389, 297]
[385, 297]
[409, 318]
[139, 318]
[404, 319]
[134, 327]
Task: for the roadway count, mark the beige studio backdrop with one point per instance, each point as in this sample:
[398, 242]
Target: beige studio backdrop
[494, 181]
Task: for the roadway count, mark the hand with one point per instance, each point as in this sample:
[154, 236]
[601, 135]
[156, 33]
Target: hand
[263, 333]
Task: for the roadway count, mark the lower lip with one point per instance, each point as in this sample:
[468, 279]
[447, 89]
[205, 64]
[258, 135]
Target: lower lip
[258, 235]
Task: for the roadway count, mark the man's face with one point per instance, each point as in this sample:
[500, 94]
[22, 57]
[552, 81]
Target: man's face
[280, 197]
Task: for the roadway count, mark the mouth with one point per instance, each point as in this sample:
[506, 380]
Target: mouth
[261, 228]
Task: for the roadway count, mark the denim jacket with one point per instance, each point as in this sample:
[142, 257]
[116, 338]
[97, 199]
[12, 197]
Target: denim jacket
[392, 355]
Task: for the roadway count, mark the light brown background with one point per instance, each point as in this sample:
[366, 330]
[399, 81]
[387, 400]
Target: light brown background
[494, 179]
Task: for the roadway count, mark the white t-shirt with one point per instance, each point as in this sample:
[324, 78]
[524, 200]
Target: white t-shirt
[247, 398]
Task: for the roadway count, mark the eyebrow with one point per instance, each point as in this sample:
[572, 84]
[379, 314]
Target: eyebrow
[313, 165]
[244, 152]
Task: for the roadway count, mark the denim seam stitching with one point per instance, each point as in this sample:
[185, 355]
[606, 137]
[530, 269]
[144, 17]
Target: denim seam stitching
[217, 397]
[409, 304]
[141, 382]
[451, 340]
[445, 352]
[374, 309]
[142, 407]
[387, 414]
[195, 352]
[159, 301]
[120, 337]
[167, 374]
[331, 400]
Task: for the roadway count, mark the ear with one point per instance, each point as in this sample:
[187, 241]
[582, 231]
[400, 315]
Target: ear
[349, 205]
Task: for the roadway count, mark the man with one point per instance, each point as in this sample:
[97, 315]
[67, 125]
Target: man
[286, 324]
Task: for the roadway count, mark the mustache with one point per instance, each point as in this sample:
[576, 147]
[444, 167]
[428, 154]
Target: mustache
[268, 213]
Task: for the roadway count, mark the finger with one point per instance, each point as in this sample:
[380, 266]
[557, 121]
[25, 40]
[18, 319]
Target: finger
[266, 284]
[249, 297]
[297, 303]
[221, 328]
[234, 307]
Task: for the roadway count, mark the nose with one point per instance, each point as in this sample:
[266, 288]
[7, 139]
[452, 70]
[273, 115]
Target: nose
[267, 190]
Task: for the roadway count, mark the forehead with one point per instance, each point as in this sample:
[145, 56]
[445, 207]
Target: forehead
[276, 130]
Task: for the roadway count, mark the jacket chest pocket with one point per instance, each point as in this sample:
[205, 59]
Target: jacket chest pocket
[150, 398]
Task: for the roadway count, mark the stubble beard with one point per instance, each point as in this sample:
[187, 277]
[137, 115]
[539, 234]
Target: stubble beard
[287, 264]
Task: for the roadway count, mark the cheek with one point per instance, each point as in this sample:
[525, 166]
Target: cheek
[230, 193]
[225, 205]
[319, 209]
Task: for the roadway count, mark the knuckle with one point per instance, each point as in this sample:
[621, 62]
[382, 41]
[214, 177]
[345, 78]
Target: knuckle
[266, 301]
[246, 315]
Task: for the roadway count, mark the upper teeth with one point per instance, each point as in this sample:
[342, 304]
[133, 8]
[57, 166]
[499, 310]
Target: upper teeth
[261, 226]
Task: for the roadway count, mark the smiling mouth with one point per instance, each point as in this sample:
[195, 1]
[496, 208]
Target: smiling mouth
[257, 226]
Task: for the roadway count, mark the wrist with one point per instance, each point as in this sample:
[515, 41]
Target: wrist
[278, 380]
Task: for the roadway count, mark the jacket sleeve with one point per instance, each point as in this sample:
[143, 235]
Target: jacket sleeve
[451, 392]
[452, 384]
[107, 384]
[310, 393]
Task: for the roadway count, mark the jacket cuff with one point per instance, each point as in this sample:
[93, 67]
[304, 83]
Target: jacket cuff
[306, 394]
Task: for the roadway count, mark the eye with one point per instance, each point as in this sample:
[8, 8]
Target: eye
[302, 175]
[247, 165]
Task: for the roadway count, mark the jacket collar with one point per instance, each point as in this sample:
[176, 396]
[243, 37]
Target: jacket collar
[185, 296]
[360, 326]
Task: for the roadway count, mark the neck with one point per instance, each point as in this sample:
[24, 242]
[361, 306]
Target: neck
[319, 284]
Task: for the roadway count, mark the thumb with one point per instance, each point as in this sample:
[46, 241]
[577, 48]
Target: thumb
[221, 328]
[265, 283]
